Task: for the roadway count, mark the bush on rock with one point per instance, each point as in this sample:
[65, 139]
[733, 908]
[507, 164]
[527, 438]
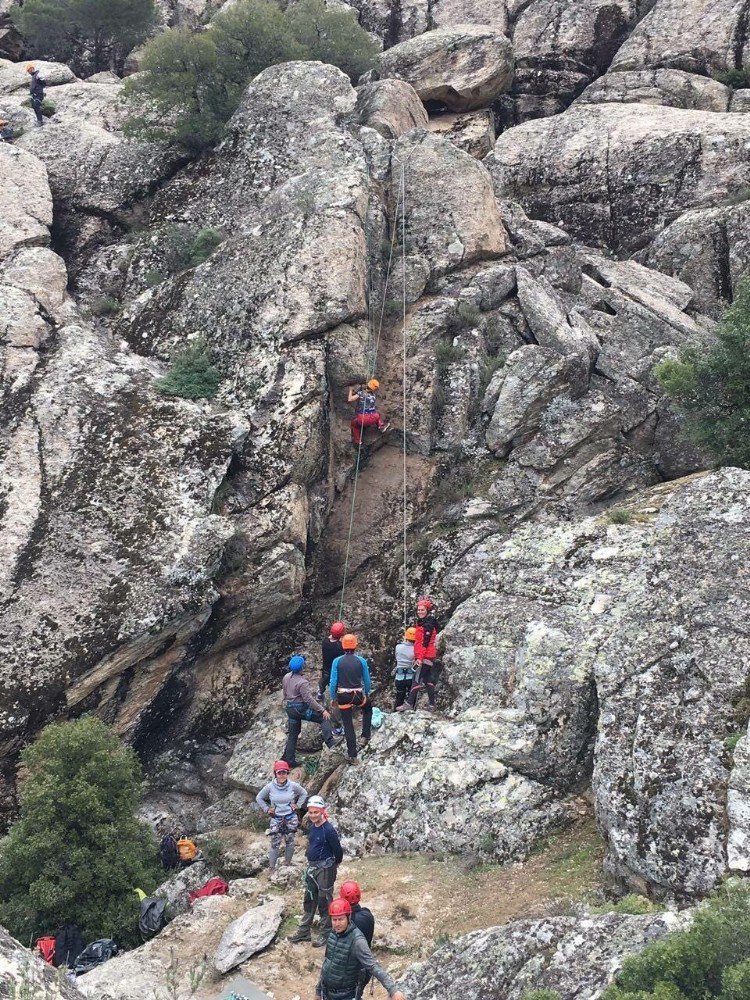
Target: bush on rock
[192, 375]
[78, 851]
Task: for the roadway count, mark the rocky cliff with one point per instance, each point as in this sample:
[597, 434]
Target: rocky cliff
[521, 211]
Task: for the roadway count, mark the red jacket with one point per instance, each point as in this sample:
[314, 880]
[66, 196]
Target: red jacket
[425, 645]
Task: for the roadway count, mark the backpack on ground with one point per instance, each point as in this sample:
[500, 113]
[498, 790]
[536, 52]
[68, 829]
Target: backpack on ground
[187, 849]
[214, 887]
[69, 944]
[95, 954]
[153, 916]
[168, 852]
[377, 718]
[46, 948]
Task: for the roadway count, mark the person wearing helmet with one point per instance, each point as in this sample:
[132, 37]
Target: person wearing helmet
[6, 131]
[362, 918]
[425, 654]
[301, 706]
[404, 666]
[36, 89]
[349, 688]
[331, 649]
[366, 410]
[349, 962]
[280, 799]
[324, 855]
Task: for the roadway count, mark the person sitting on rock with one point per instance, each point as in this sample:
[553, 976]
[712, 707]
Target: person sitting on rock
[349, 961]
[6, 131]
[404, 667]
[331, 649]
[362, 918]
[280, 799]
[301, 706]
[350, 686]
[366, 411]
[36, 89]
[425, 654]
[324, 855]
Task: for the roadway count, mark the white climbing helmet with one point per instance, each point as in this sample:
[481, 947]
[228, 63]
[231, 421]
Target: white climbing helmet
[316, 801]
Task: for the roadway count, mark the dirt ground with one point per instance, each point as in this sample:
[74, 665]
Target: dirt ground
[419, 903]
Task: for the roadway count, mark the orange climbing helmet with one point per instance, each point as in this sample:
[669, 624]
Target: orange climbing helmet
[349, 641]
[373, 385]
[30, 68]
[339, 908]
[410, 634]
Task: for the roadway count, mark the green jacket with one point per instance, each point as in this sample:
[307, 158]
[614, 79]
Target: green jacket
[347, 959]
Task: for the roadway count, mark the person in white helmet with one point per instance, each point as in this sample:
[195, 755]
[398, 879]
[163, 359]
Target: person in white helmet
[324, 855]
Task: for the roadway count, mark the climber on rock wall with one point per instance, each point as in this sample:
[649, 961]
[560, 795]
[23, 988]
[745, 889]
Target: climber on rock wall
[425, 653]
[349, 963]
[366, 411]
[301, 706]
[349, 687]
[324, 855]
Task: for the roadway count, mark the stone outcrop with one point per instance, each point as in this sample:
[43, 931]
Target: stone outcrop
[248, 934]
[464, 66]
[738, 808]
[574, 957]
[671, 87]
[24, 973]
[391, 107]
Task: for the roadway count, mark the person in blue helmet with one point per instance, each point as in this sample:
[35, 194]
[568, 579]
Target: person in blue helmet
[302, 706]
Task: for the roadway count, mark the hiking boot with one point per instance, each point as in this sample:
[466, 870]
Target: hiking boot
[299, 936]
[430, 708]
[352, 760]
[336, 741]
[320, 941]
[406, 707]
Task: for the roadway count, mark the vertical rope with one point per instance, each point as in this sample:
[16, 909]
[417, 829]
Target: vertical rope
[403, 349]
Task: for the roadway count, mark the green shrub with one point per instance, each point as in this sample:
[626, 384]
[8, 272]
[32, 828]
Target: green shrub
[192, 374]
[632, 904]
[731, 741]
[202, 246]
[106, 305]
[190, 84]
[153, 277]
[620, 516]
[735, 982]
[62, 29]
[710, 386]
[697, 963]
[467, 315]
[78, 850]
[735, 78]
[448, 353]
[541, 995]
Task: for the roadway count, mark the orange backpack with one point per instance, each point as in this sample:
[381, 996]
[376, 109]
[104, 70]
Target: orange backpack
[186, 849]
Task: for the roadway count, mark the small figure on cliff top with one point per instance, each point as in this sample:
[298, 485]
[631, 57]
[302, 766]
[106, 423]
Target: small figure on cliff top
[36, 89]
[366, 410]
[280, 799]
[301, 706]
[349, 687]
[324, 855]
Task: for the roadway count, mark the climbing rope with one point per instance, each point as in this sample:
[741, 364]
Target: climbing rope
[373, 360]
[403, 338]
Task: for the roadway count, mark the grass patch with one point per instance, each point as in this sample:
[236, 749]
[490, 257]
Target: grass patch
[105, 306]
[619, 516]
[632, 904]
[737, 79]
[203, 245]
[730, 743]
[192, 374]
[448, 353]
[488, 369]
[467, 316]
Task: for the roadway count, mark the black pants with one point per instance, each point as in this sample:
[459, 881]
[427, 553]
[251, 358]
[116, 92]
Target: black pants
[424, 679]
[402, 690]
[348, 721]
[296, 714]
[36, 103]
[319, 883]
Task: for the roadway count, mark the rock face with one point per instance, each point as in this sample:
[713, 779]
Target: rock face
[615, 174]
[464, 66]
[21, 971]
[249, 934]
[738, 809]
[391, 107]
[576, 958]
[672, 87]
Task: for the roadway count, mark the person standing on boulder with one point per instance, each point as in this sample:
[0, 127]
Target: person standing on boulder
[301, 706]
[350, 686]
[425, 654]
[404, 653]
[349, 962]
[36, 89]
[324, 855]
[280, 799]
[366, 410]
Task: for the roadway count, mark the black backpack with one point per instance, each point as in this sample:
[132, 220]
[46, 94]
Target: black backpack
[95, 954]
[68, 946]
[170, 856]
[153, 916]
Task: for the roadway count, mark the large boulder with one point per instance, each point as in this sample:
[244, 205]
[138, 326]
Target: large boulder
[672, 87]
[25, 201]
[391, 107]
[248, 934]
[23, 973]
[575, 958]
[464, 66]
[614, 174]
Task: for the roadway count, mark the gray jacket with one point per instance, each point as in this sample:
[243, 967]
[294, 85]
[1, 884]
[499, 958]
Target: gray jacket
[283, 798]
[297, 688]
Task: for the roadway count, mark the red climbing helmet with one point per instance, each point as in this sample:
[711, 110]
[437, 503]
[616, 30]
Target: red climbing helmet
[338, 629]
[280, 765]
[351, 892]
[425, 602]
[339, 908]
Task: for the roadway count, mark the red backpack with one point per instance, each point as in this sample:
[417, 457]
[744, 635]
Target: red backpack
[46, 948]
[214, 887]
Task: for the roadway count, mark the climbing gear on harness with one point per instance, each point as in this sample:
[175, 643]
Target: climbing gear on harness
[351, 892]
[340, 908]
[296, 664]
[349, 642]
[373, 385]
[410, 634]
[338, 629]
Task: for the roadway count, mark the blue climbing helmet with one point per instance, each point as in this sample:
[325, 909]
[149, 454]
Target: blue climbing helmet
[296, 664]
